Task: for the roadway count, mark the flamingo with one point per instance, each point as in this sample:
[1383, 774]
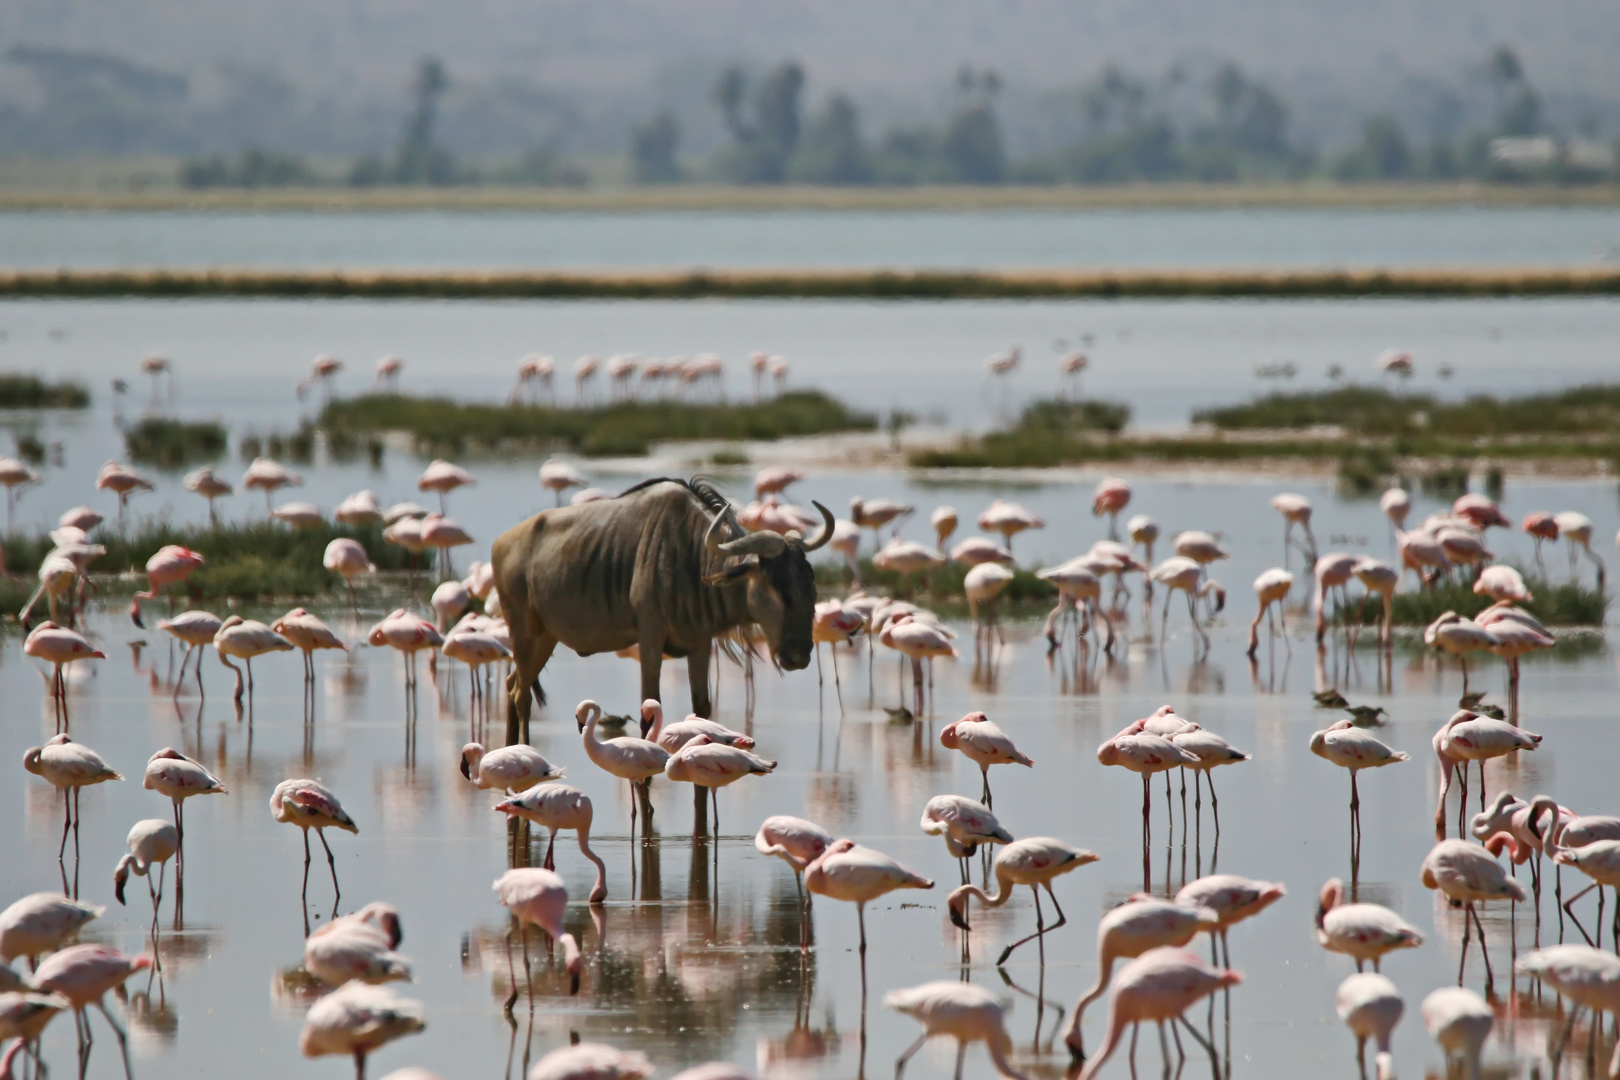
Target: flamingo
[1421, 553]
[172, 774]
[448, 601]
[798, 843]
[1159, 985]
[1079, 589]
[1033, 861]
[537, 896]
[347, 559]
[1479, 511]
[906, 557]
[1141, 923]
[983, 584]
[1145, 753]
[964, 824]
[1072, 364]
[300, 515]
[269, 476]
[584, 371]
[356, 1019]
[1540, 525]
[1458, 636]
[560, 806]
[206, 483]
[965, 1012]
[943, 521]
[1180, 572]
[15, 477]
[58, 575]
[321, 370]
[1370, 1007]
[122, 482]
[1469, 874]
[360, 509]
[1395, 504]
[1212, 751]
[1296, 510]
[630, 759]
[674, 736]
[1354, 748]
[1112, 496]
[406, 532]
[874, 514]
[152, 842]
[1377, 576]
[1364, 932]
[1460, 1021]
[534, 368]
[984, 743]
[594, 1061]
[1009, 519]
[443, 477]
[59, 647]
[775, 479]
[83, 974]
[388, 369]
[713, 765]
[855, 874]
[1589, 977]
[170, 565]
[23, 1017]
[309, 804]
[1514, 632]
[915, 639]
[69, 766]
[836, 625]
[245, 639]
[971, 551]
[40, 923]
[307, 633]
[1233, 899]
[440, 532]
[1598, 859]
[1463, 544]
[557, 476]
[507, 768]
[1502, 583]
[343, 951]
[409, 634]
[476, 649]
[1466, 737]
[1332, 571]
[80, 517]
[1271, 587]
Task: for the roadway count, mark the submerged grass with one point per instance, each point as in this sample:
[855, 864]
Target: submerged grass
[629, 428]
[22, 391]
[249, 561]
[1566, 603]
[172, 443]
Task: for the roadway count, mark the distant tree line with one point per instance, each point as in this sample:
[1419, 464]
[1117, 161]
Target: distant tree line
[1217, 125]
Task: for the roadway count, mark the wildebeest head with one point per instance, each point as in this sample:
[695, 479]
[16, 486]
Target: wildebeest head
[781, 582]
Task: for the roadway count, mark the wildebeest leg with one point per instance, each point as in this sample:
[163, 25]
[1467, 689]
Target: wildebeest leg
[651, 643]
[697, 669]
[529, 654]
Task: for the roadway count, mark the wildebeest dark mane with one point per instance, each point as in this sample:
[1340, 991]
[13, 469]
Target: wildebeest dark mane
[706, 492]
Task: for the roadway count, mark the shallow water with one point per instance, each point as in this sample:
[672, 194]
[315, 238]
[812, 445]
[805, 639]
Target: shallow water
[695, 954]
[1345, 236]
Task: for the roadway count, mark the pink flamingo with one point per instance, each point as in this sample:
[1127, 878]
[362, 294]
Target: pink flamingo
[167, 567]
[559, 806]
[1540, 525]
[443, 477]
[69, 767]
[23, 1017]
[1159, 985]
[1377, 576]
[1332, 571]
[356, 1019]
[1598, 859]
[1458, 636]
[507, 768]
[59, 647]
[196, 629]
[300, 515]
[1466, 737]
[1422, 554]
[347, 950]
[204, 482]
[965, 1012]
[322, 370]
[123, 482]
[1009, 519]
[1353, 748]
[714, 765]
[584, 371]
[309, 804]
[171, 773]
[441, 532]
[1370, 1007]
[1145, 754]
[1460, 1021]
[388, 369]
[347, 559]
[1185, 574]
[1126, 932]
[558, 476]
[798, 843]
[1589, 977]
[835, 625]
[964, 824]
[676, 735]
[41, 923]
[361, 509]
[1479, 511]
[943, 521]
[537, 896]
[1034, 861]
[984, 743]
[973, 551]
[1079, 593]
[83, 974]
[917, 641]
[1364, 932]
[269, 476]
[15, 477]
[855, 874]
[80, 517]
[1502, 583]
[152, 842]
[1296, 510]
[1514, 632]
[874, 514]
[409, 634]
[1112, 496]
[594, 1061]
[982, 585]
[1271, 587]
[1395, 504]
[1468, 874]
[534, 368]
[775, 479]
[245, 639]
[307, 633]
[1233, 899]
[633, 760]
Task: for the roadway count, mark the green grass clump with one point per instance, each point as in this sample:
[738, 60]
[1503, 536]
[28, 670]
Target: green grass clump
[1374, 411]
[630, 428]
[19, 391]
[1567, 603]
[173, 443]
[248, 560]
[1046, 433]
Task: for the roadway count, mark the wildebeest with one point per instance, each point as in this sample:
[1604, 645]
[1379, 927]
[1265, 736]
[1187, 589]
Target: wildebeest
[665, 567]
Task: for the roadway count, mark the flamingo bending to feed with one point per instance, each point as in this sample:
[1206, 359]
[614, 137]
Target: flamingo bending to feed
[1185, 574]
[1159, 985]
[347, 559]
[123, 482]
[1354, 748]
[596, 1061]
[850, 872]
[537, 896]
[1377, 576]
[59, 647]
[983, 742]
[152, 842]
[1598, 859]
[674, 736]
[209, 485]
[245, 639]
[943, 521]
[1271, 587]
[307, 633]
[1460, 1021]
[356, 1019]
[197, 630]
[1033, 861]
[915, 640]
[1009, 519]
[58, 576]
[631, 759]
[713, 765]
[1469, 874]
[1141, 923]
[1079, 590]
[83, 974]
[1589, 977]
[171, 565]
[1364, 932]
[965, 1012]
[1466, 737]
[555, 807]
[309, 804]
[269, 477]
[443, 477]
[1576, 529]
[1332, 571]
[24, 1015]
[1233, 899]
[409, 634]
[507, 768]
[1370, 1007]
[964, 824]
[347, 950]
[1458, 636]
[1112, 496]
[1296, 510]
[69, 766]
[798, 843]
[1540, 525]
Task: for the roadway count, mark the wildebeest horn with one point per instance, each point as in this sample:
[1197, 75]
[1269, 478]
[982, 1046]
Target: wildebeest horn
[767, 545]
[730, 518]
[826, 528]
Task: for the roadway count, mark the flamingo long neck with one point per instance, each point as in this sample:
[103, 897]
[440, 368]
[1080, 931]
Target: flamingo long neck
[657, 725]
[600, 888]
[1116, 1027]
[1550, 845]
[998, 1055]
[1105, 969]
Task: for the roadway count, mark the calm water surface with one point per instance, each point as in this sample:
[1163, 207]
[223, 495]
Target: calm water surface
[991, 238]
